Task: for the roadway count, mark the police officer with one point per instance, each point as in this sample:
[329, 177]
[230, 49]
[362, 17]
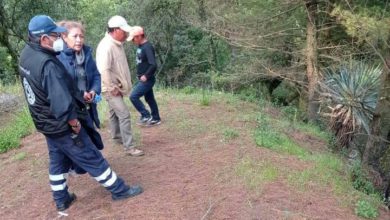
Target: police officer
[55, 105]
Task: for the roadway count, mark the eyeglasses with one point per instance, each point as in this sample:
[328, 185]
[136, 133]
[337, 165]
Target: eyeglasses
[77, 36]
[56, 35]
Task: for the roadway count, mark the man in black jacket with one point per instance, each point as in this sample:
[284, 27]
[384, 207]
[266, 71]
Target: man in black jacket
[56, 105]
[146, 68]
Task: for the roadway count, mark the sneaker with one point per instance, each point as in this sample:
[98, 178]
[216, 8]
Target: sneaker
[133, 191]
[153, 122]
[134, 152]
[64, 206]
[143, 120]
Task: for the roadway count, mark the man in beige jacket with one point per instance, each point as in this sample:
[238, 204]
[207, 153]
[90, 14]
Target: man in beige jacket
[112, 63]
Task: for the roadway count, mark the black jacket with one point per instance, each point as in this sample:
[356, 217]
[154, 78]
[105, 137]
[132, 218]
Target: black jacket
[146, 60]
[52, 98]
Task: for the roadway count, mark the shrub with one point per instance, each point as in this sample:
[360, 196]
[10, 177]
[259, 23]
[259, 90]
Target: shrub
[351, 93]
[359, 179]
[366, 210]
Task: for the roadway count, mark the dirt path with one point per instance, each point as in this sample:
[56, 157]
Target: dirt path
[188, 172]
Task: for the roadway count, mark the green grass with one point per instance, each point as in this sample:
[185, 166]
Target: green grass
[230, 134]
[256, 174]
[326, 170]
[205, 99]
[329, 170]
[279, 142]
[314, 131]
[103, 112]
[189, 90]
[11, 88]
[359, 179]
[269, 136]
[180, 122]
[19, 156]
[365, 209]
[21, 126]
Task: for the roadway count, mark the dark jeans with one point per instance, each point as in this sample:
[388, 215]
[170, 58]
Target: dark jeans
[145, 89]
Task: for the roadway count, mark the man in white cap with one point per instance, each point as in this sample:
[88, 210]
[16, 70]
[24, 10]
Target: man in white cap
[112, 63]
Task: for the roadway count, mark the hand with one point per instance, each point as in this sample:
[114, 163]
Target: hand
[143, 78]
[116, 92]
[92, 96]
[75, 125]
[87, 97]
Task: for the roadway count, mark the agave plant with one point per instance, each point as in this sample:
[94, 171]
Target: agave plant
[351, 92]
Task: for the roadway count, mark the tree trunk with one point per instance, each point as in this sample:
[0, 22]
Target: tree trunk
[4, 39]
[311, 59]
[378, 141]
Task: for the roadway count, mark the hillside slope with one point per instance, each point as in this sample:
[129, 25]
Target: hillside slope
[213, 157]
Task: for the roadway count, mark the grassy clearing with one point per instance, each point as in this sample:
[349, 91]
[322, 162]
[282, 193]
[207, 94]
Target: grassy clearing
[256, 173]
[325, 170]
[21, 126]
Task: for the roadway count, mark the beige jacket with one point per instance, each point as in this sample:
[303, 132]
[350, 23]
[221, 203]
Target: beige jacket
[112, 64]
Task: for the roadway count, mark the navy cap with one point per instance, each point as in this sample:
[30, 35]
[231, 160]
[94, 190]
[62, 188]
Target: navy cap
[43, 24]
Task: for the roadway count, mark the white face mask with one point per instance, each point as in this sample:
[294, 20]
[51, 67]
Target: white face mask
[58, 45]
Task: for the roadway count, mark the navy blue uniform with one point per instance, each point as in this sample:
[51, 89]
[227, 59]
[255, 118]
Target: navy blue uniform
[53, 100]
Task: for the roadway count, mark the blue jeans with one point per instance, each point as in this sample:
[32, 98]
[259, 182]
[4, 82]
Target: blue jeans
[145, 89]
[67, 150]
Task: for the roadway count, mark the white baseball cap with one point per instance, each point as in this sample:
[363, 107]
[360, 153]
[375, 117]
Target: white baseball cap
[135, 31]
[119, 22]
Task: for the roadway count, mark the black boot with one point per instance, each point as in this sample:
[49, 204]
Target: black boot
[72, 198]
[133, 191]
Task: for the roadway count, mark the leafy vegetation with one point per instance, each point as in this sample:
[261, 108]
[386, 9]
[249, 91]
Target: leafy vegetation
[366, 210]
[21, 126]
[360, 181]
